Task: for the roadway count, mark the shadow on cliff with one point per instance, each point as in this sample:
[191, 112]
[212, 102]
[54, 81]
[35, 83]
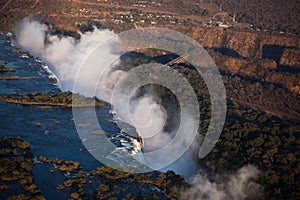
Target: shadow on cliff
[273, 52]
[228, 52]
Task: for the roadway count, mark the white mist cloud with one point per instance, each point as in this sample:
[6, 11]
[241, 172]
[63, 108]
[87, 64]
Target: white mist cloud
[31, 35]
[66, 57]
[239, 186]
[150, 123]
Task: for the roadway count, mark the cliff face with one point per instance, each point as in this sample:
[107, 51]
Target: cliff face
[290, 57]
[268, 57]
[246, 44]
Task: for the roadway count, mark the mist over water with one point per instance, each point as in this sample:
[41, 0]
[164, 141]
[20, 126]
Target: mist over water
[65, 57]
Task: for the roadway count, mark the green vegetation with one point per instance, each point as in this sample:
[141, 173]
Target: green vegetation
[16, 163]
[271, 144]
[63, 166]
[16, 168]
[113, 183]
[66, 99]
